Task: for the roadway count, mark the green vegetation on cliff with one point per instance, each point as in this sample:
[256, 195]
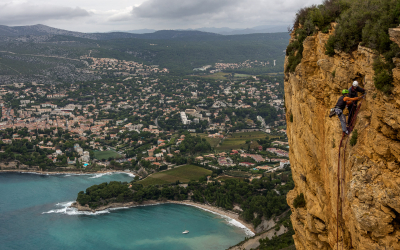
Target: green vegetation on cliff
[308, 21]
[364, 22]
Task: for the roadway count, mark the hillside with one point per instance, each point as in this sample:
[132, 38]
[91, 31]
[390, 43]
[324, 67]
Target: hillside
[48, 55]
[348, 196]
[192, 35]
[191, 52]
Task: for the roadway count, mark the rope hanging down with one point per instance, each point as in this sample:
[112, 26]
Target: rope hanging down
[341, 174]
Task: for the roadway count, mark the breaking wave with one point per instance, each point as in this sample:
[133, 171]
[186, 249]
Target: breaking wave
[68, 210]
[110, 173]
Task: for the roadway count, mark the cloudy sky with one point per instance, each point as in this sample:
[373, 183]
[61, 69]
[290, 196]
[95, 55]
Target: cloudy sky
[103, 16]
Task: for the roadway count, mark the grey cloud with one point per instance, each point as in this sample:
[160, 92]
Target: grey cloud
[176, 9]
[232, 13]
[26, 13]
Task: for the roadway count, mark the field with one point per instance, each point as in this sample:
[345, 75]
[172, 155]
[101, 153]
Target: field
[99, 155]
[225, 76]
[182, 174]
[213, 141]
[242, 76]
[217, 76]
[238, 140]
[249, 135]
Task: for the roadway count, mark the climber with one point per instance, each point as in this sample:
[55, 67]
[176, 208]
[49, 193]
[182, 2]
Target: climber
[341, 105]
[353, 90]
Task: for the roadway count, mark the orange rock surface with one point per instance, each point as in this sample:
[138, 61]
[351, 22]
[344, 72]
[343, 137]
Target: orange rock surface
[369, 214]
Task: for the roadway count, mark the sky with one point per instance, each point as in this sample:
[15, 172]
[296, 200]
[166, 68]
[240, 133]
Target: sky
[124, 15]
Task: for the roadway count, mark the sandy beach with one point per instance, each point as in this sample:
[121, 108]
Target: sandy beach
[217, 210]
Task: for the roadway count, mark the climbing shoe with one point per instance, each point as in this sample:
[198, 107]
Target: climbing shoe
[332, 113]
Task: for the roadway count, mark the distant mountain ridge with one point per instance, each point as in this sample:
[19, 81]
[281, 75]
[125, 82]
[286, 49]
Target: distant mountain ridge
[203, 33]
[41, 30]
[226, 30]
[38, 30]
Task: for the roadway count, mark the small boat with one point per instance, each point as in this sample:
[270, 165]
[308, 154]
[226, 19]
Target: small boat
[185, 232]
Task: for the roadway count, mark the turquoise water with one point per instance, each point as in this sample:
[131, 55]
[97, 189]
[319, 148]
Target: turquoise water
[34, 215]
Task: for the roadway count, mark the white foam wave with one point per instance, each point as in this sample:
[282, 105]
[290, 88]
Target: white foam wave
[110, 173]
[98, 175]
[130, 174]
[230, 221]
[34, 173]
[236, 223]
[68, 210]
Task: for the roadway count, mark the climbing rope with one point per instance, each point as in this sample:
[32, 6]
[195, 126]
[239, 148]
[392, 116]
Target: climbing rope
[341, 174]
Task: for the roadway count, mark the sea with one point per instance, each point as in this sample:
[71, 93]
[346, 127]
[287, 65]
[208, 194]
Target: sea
[34, 214]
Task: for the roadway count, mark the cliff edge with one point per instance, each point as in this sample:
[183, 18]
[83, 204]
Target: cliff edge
[369, 208]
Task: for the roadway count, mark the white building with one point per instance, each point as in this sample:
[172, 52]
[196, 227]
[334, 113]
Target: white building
[185, 121]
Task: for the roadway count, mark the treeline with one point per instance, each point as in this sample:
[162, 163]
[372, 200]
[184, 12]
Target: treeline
[194, 144]
[259, 199]
[259, 70]
[26, 153]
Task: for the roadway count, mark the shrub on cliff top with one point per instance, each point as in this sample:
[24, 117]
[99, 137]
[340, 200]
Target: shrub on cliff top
[358, 21]
[307, 21]
[367, 22]
[320, 16]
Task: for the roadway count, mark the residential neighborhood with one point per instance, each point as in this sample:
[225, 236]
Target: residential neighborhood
[141, 119]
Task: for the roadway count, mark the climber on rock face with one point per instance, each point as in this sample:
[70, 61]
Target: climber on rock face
[353, 90]
[341, 105]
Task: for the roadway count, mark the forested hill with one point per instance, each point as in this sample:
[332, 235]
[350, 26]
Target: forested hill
[190, 35]
[179, 51]
[182, 55]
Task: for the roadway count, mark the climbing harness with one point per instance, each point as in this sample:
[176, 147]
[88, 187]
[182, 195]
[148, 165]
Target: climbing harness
[341, 174]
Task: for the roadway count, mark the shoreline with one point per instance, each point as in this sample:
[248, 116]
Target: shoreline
[208, 208]
[216, 210]
[114, 206]
[20, 171]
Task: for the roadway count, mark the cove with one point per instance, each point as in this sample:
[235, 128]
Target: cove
[34, 215]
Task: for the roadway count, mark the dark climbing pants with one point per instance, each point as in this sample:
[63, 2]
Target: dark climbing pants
[352, 109]
[342, 119]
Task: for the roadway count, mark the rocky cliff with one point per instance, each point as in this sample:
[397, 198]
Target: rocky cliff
[369, 208]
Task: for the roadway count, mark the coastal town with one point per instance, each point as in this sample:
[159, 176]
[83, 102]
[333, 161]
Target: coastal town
[117, 122]
[138, 119]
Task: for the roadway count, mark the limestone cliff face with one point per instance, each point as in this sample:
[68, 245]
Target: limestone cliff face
[369, 216]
